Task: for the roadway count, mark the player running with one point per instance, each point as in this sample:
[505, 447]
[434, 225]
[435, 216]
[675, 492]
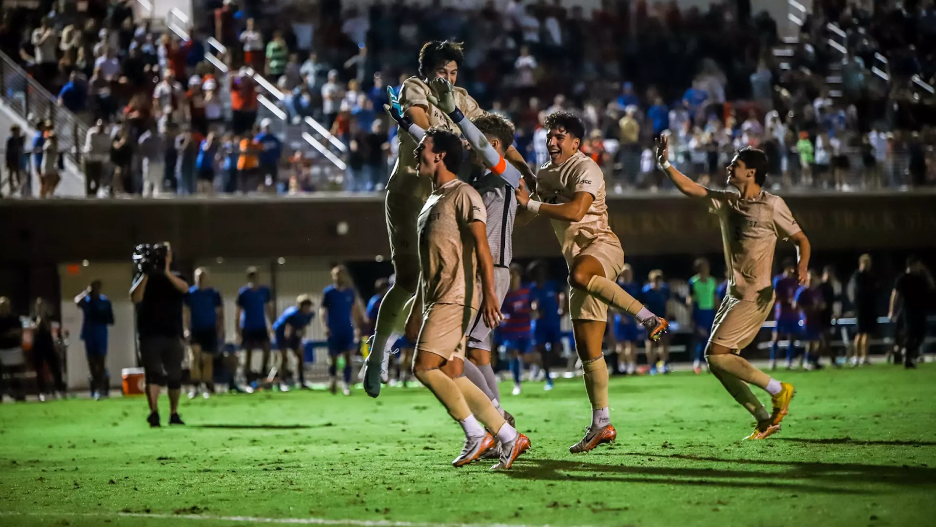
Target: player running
[626, 331]
[786, 316]
[751, 221]
[288, 330]
[571, 193]
[406, 192]
[453, 253]
[341, 309]
[701, 301]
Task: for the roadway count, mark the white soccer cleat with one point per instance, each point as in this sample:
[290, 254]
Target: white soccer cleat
[516, 390]
[205, 394]
[475, 446]
[345, 389]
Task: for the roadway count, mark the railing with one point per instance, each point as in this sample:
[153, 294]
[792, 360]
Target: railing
[29, 100]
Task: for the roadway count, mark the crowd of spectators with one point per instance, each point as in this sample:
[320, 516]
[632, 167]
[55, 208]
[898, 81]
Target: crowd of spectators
[632, 70]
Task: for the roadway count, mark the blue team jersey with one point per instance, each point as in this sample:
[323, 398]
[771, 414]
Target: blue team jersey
[202, 303]
[373, 308]
[253, 303]
[785, 289]
[547, 303]
[517, 311]
[339, 303]
[293, 317]
[98, 314]
[655, 300]
[722, 291]
[633, 289]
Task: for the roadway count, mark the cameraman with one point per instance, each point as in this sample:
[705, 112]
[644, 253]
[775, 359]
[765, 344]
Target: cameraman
[158, 293]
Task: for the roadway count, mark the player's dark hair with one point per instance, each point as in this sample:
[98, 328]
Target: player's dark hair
[382, 284]
[448, 143]
[788, 263]
[498, 126]
[566, 120]
[755, 159]
[699, 262]
[830, 269]
[303, 300]
[437, 53]
[534, 267]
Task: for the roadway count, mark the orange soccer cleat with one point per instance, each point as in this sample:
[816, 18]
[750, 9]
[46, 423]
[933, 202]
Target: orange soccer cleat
[474, 448]
[594, 437]
[781, 403]
[511, 450]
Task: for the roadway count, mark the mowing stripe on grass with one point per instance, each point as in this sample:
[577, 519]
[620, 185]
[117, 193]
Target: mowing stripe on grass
[235, 518]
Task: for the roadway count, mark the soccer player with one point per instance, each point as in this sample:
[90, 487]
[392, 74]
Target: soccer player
[254, 313]
[751, 221]
[787, 318]
[204, 328]
[701, 300]
[98, 315]
[453, 252]
[570, 191]
[831, 308]
[341, 309]
[655, 295]
[863, 291]
[547, 301]
[516, 330]
[489, 135]
[910, 299]
[626, 331]
[809, 303]
[289, 329]
[406, 192]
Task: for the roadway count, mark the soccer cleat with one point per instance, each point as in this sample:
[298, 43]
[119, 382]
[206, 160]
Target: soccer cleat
[283, 387]
[510, 419]
[345, 389]
[42, 397]
[371, 375]
[205, 394]
[763, 430]
[511, 450]
[549, 385]
[594, 437]
[153, 419]
[175, 419]
[516, 390]
[781, 403]
[697, 370]
[475, 446]
[656, 327]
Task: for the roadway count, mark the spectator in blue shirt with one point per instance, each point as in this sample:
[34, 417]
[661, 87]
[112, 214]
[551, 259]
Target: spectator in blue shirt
[378, 93]
[695, 98]
[254, 307]
[204, 328]
[341, 309]
[627, 97]
[38, 143]
[654, 296]
[289, 329]
[98, 315]
[74, 95]
[271, 150]
[659, 116]
[205, 164]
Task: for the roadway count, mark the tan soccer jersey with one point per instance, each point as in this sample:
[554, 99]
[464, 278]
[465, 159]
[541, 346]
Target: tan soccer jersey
[414, 92]
[750, 229]
[446, 248]
[557, 184]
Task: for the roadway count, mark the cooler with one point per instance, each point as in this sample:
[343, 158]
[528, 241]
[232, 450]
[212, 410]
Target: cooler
[134, 381]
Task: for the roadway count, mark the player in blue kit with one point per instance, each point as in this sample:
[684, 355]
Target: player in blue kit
[626, 331]
[655, 295]
[516, 331]
[702, 293]
[289, 329]
[548, 302]
[254, 313]
[98, 315]
[787, 317]
[809, 302]
[204, 329]
[341, 309]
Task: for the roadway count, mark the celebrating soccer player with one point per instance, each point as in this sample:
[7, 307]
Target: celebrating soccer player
[571, 193]
[751, 221]
[406, 193]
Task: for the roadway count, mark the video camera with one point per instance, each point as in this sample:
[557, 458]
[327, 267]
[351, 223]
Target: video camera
[149, 258]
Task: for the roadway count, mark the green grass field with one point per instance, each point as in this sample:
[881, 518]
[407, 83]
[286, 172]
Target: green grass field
[858, 448]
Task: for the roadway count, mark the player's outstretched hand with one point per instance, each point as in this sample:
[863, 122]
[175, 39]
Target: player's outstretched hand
[522, 194]
[443, 95]
[490, 310]
[662, 149]
[394, 109]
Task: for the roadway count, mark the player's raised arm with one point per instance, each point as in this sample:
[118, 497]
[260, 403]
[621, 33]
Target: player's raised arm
[680, 180]
[406, 121]
[444, 98]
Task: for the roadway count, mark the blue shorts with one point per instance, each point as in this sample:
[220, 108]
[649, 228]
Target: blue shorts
[520, 344]
[811, 332]
[787, 325]
[339, 343]
[95, 346]
[626, 332]
[703, 319]
[544, 334]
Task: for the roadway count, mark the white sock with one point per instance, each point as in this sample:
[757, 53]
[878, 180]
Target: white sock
[773, 387]
[472, 427]
[695, 363]
[506, 434]
[601, 417]
[644, 314]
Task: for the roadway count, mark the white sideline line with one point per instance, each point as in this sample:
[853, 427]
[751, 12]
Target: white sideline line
[239, 518]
